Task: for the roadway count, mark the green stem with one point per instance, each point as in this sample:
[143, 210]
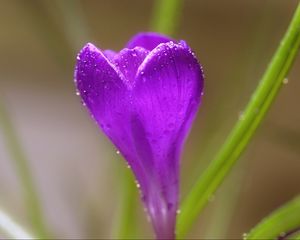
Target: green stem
[11, 228]
[166, 16]
[23, 170]
[245, 128]
[126, 227]
[279, 223]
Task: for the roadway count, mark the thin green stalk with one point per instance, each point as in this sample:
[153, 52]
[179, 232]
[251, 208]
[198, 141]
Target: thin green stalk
[166, 16]
[278, 223]
[126, 227]
[244, 129]
[11, 229]
[32, 201]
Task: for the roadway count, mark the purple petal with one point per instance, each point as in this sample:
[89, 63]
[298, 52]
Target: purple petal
[109, 54]
[106, 94]
[128, 61]
[148, 40]
[168, 90]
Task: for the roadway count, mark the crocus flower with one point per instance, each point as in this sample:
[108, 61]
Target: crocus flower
[145, 98]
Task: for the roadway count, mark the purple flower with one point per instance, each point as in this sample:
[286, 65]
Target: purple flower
[145, 98]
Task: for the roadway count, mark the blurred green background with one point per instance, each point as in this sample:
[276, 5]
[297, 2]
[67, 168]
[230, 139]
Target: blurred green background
[77, 170]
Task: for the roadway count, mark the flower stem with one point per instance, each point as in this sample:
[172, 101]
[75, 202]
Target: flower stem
[126, 227]
[166, 16]
[281, 223]
[11, 228]
[23, 171]
[241, 134]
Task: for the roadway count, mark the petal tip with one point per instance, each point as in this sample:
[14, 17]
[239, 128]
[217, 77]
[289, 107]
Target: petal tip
[88, 47]
[148, 40]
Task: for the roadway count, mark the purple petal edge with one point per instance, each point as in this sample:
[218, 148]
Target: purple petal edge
[148, 40]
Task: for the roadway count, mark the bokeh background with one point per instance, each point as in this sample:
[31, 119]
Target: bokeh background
[76, 169]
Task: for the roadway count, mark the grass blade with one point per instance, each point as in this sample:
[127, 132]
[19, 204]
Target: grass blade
[236, 143]
[281, 223]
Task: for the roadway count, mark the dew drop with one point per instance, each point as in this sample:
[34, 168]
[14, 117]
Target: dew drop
[241, 116]
[171, 125]
[118, 152]
[166, 132]
[282, 234]
[285, 81]
[78, 93]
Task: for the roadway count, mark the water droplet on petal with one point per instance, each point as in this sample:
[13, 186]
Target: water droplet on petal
[166, 132]
[171, 125]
